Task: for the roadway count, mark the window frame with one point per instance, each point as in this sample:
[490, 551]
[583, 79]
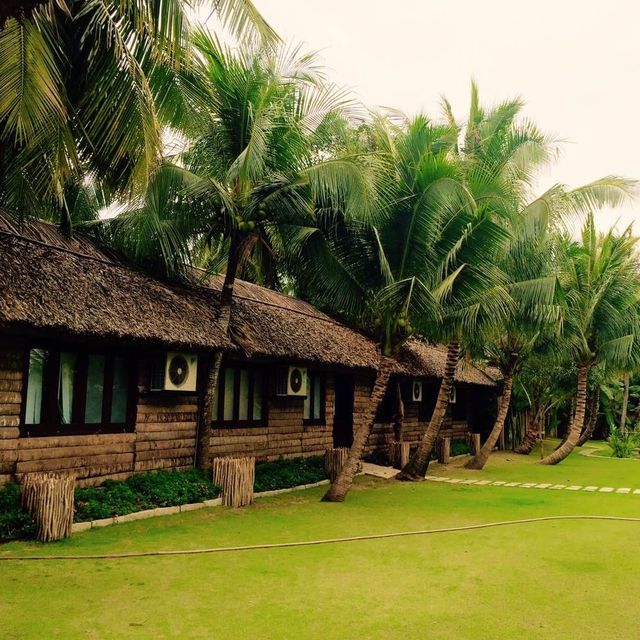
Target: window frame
[235, 423]
[49, 425]
[322, 420]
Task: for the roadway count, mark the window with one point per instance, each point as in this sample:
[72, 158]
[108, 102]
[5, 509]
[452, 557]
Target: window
[239, 397]
[314, 402]
[70, 392]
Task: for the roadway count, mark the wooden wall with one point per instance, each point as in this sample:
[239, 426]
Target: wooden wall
[456, 427]
[166, 428]
[285, 437]
[10, 403]
[164, 436]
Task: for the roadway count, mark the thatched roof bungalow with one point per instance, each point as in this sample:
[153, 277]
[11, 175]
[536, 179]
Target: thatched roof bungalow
[87, 353]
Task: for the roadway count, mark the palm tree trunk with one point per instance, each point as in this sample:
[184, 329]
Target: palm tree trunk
[416, 468]
[237, 250]
[340, 486]
[398, 414]
[578, 421]
[625, 402]
[480, 459]
[593, 417]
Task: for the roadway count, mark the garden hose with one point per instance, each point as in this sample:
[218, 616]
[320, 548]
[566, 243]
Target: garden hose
[308, 543]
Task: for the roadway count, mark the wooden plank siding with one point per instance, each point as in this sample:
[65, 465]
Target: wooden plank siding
[10, 404]
[285, 436]
[164, 436]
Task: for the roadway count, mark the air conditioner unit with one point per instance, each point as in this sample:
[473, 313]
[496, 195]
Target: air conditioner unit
[292, 381]
[174, 372]
[452, 395]
[416, 391]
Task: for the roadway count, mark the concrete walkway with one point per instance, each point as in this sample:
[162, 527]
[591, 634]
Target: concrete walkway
[534, 485]
[380, 471]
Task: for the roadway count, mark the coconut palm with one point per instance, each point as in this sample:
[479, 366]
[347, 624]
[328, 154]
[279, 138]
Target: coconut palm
[253, 161]
[391, 274]
[530, 265]
[498, 155]
[600, 284]
[86, 87]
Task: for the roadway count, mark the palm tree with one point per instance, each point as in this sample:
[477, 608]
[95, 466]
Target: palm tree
[85, 89]
[530, 265]
[254, 161]
[390, 274]
[600, 284]
[498, 155]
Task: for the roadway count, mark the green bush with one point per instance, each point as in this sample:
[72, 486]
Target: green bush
[623, 445]
[15, 522]
[459, 447]
[143, 491]
[283, 474]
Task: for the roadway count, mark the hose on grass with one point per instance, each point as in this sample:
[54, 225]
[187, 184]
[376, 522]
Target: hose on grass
[308, 543]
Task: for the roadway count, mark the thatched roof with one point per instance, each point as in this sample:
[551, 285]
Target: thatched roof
[49, 282]
[68, 285]
[420, 360]
[268, 324]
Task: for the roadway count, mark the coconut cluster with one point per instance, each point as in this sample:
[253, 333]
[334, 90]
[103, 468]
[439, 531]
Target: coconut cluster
[252, 218]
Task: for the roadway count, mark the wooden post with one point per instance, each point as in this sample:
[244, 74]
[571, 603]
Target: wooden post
[399, 454]
[444, 450]
[48, 497]
[334, 459]
[475, 443]
[235, 477]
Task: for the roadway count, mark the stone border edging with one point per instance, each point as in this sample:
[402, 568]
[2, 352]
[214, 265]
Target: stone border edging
[77, 527]
[533, 485]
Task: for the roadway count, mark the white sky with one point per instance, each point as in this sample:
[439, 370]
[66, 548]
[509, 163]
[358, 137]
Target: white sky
[574, 62]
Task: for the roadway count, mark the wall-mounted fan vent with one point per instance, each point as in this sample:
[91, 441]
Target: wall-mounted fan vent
[174, 372]
[292, 381]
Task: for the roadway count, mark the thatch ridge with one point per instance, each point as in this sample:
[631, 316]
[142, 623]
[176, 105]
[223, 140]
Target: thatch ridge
[418, 359]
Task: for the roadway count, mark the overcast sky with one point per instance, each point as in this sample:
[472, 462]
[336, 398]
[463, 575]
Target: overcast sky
[575, 63]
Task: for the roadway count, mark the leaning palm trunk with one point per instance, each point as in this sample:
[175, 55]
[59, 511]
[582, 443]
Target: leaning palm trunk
[480, 459]
[239, 246]
[341, 485]
[578, 421]
[398, 414]
[593, 418]
[625, 402]
[416, 469]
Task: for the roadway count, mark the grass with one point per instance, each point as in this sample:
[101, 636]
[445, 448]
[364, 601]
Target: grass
[578, 469]
[549, 580]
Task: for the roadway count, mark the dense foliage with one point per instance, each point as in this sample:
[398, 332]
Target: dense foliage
[143, 491]
[15, 522]
[282, 474]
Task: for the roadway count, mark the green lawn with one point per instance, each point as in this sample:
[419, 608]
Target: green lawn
[548, 580]
[578, 469]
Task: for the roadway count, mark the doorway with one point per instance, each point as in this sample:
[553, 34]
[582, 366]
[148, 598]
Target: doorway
[343, 411]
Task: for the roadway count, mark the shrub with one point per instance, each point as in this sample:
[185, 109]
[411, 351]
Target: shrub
[459, 447]
[622, 444]
[15, 522]
[143, 491]
[283, 474]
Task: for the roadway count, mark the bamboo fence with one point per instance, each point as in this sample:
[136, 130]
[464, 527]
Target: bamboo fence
[235, 477]
[48, 497]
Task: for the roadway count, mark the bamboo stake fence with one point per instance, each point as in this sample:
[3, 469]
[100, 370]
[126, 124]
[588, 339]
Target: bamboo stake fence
[48, 497]
[235, 477]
